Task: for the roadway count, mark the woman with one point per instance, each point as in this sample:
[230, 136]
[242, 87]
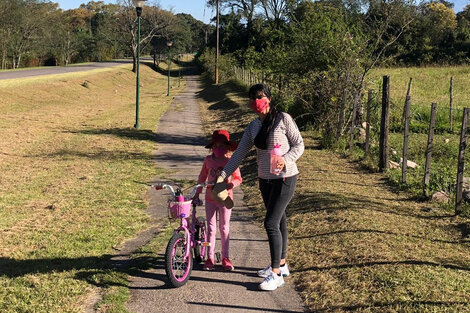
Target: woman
[270, 128]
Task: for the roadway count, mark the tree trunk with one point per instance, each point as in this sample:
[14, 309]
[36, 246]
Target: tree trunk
[134, 63]
[19, 61]
[4, 59]
[133, 48]
[359, 109]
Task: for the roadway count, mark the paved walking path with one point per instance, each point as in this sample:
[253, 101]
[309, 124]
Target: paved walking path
[181, 149]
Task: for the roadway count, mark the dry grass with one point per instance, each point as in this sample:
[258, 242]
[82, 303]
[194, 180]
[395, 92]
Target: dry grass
[68, 159]
[355, 244]
[430, 84]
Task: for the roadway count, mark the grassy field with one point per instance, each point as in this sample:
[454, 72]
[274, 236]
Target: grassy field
[69, 157]
[430, 84]
[356, 244]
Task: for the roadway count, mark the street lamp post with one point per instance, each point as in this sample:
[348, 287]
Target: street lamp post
[179, 70]
[217, 45]
[138, 7]
[169, 44]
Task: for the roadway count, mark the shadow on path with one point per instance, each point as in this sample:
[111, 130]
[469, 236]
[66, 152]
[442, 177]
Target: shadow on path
[224, 307]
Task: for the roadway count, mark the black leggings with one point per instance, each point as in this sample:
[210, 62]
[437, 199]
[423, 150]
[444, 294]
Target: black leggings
[277, 193]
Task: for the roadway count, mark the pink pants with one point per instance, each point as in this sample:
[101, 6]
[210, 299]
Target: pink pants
[224, 227]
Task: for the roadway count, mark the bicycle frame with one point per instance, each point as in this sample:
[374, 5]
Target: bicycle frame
[185, 225]
[189, 229]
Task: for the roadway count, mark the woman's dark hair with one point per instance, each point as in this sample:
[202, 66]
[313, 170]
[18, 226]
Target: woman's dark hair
[268, 122]
[257, 89]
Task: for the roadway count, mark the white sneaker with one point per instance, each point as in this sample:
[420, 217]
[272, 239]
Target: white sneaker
[271, 282]
[265, 272]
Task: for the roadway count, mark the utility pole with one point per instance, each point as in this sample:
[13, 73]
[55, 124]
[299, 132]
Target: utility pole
[217, 48]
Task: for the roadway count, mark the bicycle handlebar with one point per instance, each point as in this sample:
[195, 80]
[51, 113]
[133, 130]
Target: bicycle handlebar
[160, 186]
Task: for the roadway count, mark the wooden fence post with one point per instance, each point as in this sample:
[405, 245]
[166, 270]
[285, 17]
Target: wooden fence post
[408, 93]
[451, 100]
[339, 128]
[353, 124]
[369, 105]
[384, 124]
[427, 167]
[461, 162]
[404, 165]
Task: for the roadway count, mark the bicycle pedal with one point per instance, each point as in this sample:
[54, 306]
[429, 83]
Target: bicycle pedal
[205, 244]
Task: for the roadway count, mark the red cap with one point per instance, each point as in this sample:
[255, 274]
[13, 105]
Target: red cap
[221, 135]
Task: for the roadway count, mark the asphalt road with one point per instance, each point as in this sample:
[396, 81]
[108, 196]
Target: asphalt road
[52, 70]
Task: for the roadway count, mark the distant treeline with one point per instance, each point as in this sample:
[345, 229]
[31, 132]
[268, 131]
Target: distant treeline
[36, 32]
[432, 32]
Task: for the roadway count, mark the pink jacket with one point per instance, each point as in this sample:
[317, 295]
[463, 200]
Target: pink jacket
[211, 169]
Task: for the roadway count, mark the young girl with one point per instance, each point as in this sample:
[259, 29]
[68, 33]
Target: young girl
[214, 163]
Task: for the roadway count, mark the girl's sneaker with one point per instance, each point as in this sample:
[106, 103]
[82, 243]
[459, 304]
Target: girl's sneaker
[265, 272]
[227, 265]
[209, 264]
[272, 282]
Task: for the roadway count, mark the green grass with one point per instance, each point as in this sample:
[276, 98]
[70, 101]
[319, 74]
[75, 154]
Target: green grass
[144, 259]
[443, 164]
[69, 157]
[430, 84]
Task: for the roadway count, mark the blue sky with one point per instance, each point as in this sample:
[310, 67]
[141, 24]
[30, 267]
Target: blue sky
[197, 8]
[194, 7]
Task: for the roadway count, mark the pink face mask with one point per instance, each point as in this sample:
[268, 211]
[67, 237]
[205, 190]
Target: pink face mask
[259, 105]
[219, 152]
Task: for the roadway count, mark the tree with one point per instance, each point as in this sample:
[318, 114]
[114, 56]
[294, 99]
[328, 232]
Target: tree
[442, 19]
[277, 10]
[73, 32]
[155, 23]
[5, 29]
[28, 19]
[246, 8]
[197, 31]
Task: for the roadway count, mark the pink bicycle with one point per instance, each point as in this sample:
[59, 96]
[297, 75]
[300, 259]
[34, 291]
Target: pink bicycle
[188, 240]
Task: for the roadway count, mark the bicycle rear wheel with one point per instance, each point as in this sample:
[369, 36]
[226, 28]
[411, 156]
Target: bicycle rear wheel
[177, 267]
[200, 235]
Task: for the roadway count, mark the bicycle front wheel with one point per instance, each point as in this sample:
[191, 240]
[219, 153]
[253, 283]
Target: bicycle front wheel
[177, 267]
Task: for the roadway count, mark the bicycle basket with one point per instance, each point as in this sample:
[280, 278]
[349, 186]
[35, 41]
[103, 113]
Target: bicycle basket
[177, 209]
